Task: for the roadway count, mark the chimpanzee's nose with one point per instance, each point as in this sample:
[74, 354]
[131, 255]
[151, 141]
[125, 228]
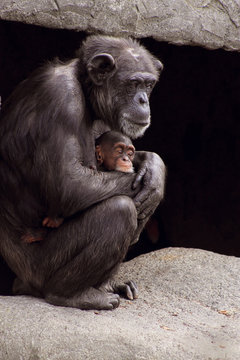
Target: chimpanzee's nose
[143, 99]
[125, 158]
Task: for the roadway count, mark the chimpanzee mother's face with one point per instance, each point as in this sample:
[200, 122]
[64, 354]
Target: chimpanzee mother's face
[124, 79]
[134, 113]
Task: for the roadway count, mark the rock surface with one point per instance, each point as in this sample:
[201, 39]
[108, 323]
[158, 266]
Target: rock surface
[188, 308]
[209, 23]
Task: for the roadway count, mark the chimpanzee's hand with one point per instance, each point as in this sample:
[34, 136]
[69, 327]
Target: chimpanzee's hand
[151, 174]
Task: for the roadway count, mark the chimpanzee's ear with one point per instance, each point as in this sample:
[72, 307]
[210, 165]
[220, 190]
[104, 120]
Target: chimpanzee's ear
[158, 65]
[99, 155]
[100, 67]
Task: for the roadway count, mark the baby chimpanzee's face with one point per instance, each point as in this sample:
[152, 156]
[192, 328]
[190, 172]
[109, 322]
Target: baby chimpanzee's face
[118, 156]
[115, 152]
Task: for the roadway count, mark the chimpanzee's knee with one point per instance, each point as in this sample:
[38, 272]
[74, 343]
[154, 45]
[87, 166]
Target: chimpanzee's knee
[122, 209]
[122, 225]
[121, 214]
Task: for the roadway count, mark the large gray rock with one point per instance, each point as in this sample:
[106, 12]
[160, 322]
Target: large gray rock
[209, 23]
[188, 308]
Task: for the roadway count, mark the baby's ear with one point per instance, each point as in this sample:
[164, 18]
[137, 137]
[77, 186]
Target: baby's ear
[99, 156]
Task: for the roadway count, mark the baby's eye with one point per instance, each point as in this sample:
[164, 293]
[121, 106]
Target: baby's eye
[119, 151]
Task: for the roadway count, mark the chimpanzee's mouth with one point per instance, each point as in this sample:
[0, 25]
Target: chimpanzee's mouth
[134, 127]
[144, 122]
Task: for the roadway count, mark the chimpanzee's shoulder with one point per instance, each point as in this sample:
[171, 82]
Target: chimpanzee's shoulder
[67, 70]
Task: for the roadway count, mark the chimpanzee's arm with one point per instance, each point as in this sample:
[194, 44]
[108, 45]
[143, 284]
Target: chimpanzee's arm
[70, 187]
[151, 173]
[85, 187]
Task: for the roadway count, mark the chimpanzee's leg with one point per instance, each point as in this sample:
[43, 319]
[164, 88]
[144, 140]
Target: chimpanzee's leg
[130, 289]
[69, 266]
[103, 297]
[142, 222]
[79, 256]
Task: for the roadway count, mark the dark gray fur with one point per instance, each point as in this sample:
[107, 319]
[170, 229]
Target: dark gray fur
[46, 148]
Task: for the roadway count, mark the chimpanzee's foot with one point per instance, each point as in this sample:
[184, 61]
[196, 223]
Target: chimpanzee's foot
[52, 222]
[128, 290]
[89, 299]
[21, 288]
[29, 238]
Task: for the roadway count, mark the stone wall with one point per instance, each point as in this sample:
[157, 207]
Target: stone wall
[209, 23]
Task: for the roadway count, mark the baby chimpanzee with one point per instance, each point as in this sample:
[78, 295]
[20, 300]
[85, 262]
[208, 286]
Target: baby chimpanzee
[114, 152]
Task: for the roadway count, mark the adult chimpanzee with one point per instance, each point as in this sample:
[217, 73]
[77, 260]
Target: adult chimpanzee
[47, 137]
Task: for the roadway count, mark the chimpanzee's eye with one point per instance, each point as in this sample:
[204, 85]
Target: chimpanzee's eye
[119, 150]
[134, 83]
[150, 84]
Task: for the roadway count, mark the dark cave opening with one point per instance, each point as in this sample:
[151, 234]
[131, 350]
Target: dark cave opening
[195, 129]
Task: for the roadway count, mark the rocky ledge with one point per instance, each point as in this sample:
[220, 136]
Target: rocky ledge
[188, 308]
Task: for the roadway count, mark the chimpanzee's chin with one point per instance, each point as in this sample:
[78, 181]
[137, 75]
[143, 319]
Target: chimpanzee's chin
[132, 129]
